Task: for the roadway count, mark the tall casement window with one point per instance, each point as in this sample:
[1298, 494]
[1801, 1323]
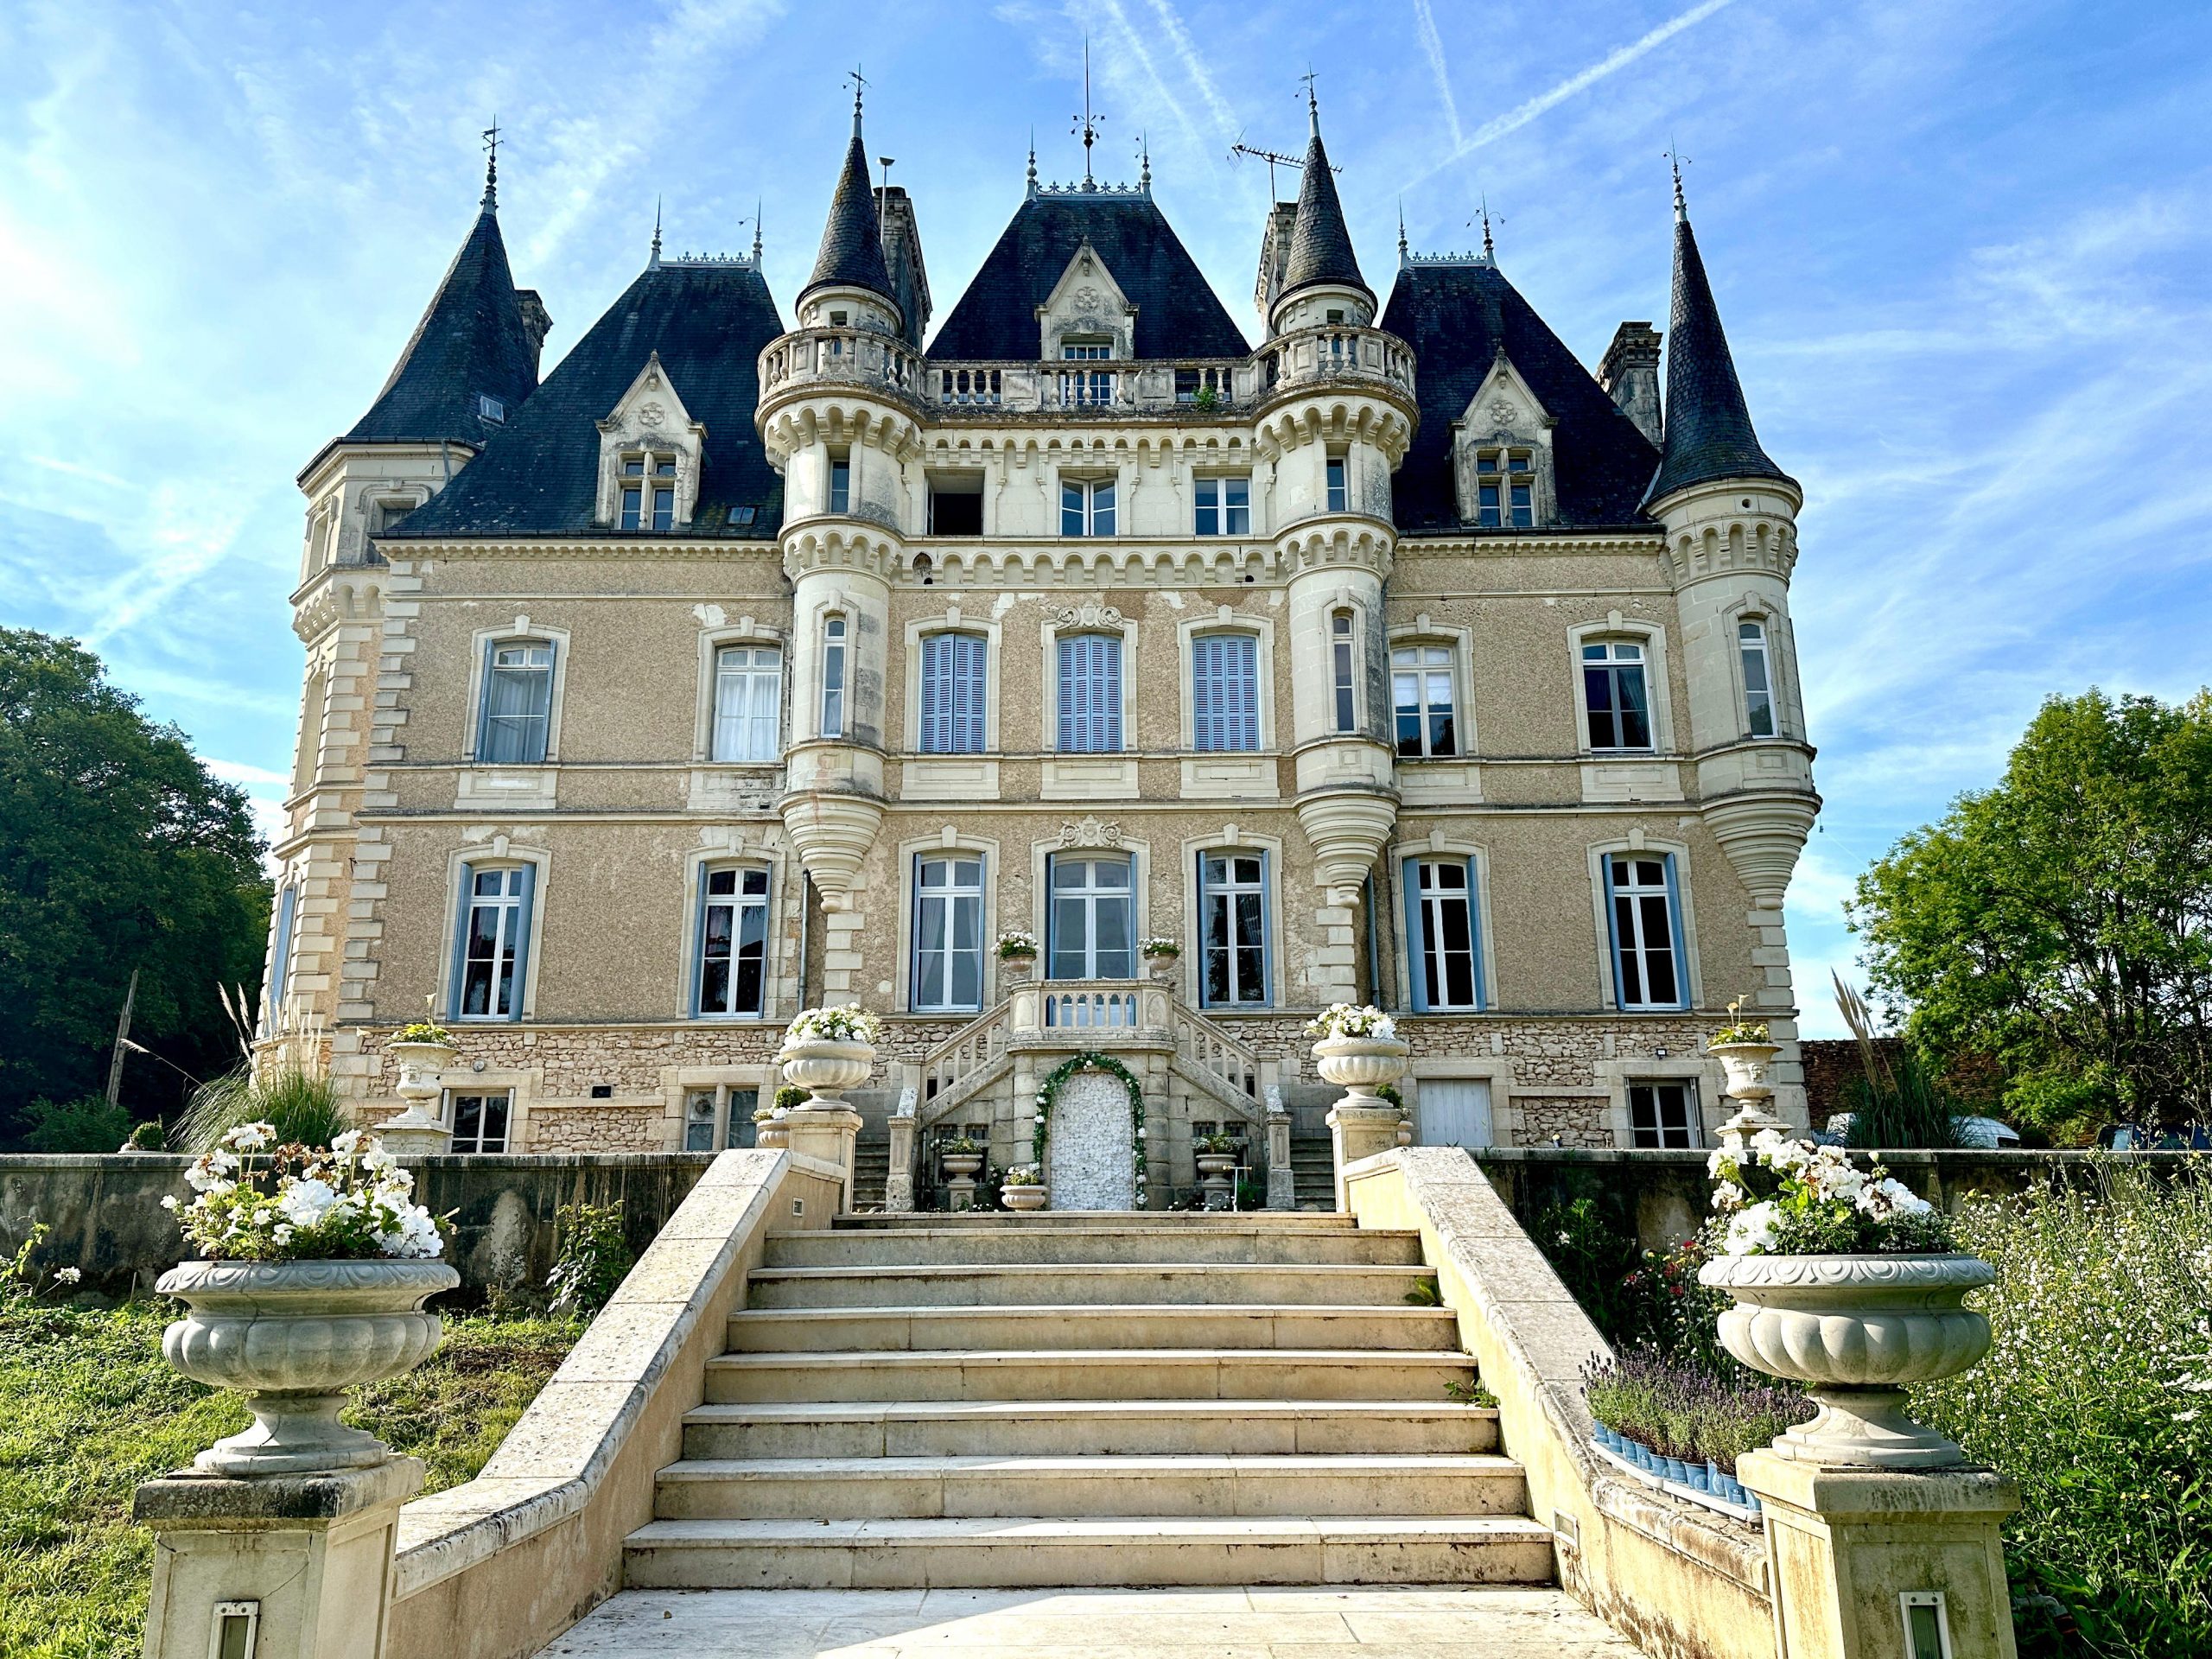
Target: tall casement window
[280, 948]
[749, 687]
[1339, 483]
[1092, 922]
[491, 953]
[718, 1117]
[1505, 487]
[1233, 929]
[1343, 670]
[1759, 677]
[953, 666]
[840, 480]
[1618, 695]
[1647, 943]
[1663, 1115]
[948, 933]
[518, 719]
[1226, 692]
[648, 491]
[1440, 932]
[479, 1121]
[1424, 701]
[1224, 507]
[733, 940]
[1091, 693]
[1086, 506]
[833, 674]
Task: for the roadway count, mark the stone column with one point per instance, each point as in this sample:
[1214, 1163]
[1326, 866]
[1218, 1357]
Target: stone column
[1282, 1179]
[899, 1180]
[304, 1563]
[1860, 1556]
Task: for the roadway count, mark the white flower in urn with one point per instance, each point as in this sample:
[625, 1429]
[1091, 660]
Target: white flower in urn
[1342, 1019]
[259, 1201]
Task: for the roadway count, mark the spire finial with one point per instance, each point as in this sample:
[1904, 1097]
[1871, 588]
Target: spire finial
[756, 232]
[1675, 158]
[1032, 161]
[1087, 123]
[1313, 104]
[492, 166]
[654, 263]
[860, 83]
[1403, 255]
[1490, 249]
[1144, 164]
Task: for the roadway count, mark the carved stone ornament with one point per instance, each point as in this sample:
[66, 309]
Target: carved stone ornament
[1088, 300]
[1091, 832]
[1503, 413]
[651, 415]
[1087, 616]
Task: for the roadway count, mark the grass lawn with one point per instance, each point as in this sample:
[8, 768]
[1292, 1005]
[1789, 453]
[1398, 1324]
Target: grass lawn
[88, 1408]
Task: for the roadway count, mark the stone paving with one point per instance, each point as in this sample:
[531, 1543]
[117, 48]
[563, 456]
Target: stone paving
[1380, 1622]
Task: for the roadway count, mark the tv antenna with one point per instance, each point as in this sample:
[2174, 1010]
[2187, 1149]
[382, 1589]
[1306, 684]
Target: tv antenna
[1274, 158]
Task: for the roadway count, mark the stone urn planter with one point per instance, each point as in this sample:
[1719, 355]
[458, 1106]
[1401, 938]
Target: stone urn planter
[1363, 1123]
[1216, 1165]
[1018, 969]
[963, 1165]
[1022, 1195]
[1855, 1330]
[292, 1336]
[772, 1134]
[417, 1131]
[1744, 1069]
[825, 1068]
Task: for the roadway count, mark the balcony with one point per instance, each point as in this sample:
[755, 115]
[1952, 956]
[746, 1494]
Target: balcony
[1336, 357]
[1195, 387]
[810, 360]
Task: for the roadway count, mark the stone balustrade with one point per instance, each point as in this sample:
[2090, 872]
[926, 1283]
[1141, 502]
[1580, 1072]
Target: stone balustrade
[1336, 356]
[830, 359]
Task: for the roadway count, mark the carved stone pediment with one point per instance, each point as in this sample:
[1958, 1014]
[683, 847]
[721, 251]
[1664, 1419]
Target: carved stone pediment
[650, 419]
[1504, 413]
[1091, 832]
[1087, 302]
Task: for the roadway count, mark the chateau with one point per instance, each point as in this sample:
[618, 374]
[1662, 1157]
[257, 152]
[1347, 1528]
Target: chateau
[736, 666]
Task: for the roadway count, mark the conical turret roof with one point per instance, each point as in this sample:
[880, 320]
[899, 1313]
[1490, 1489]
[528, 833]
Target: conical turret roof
[852, 242]
[1708, 433]
[1320, 242]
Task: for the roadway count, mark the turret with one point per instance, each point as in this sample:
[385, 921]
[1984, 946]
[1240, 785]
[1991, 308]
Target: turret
[1321, 282]
[851, 285]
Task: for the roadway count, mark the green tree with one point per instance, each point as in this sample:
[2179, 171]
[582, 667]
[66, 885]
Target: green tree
[2058, 922]
[118, 851]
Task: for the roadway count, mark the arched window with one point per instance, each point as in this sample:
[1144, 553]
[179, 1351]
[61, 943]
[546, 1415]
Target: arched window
[833, 674]
[1343, 670]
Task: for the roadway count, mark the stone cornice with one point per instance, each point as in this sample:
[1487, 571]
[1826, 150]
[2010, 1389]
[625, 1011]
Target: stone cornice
[1533, 544]
[588, 544]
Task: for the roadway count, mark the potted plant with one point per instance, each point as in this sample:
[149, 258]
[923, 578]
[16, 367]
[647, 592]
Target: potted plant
[1843, 1281]
[423, 1050]
[1160, 954]
[1358, 1048]
[1024, 1187]
[828, 1050]
[1217, 1154]
[771, 1130]
[961, 1156]
[1018, 952]
[313, 1268]
[1744, 1053]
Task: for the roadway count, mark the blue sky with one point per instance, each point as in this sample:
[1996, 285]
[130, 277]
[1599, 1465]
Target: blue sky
[1959, 248]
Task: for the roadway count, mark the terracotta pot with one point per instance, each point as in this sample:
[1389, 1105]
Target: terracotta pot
[826, 1069]
[1855, 1330]
[292, 1336]
[1022, 1197]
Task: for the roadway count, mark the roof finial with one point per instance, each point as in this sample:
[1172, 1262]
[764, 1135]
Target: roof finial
[492, 166]
[1032, 161]
[757, 205]
[1403, 258]
[653, 264]
[1144, 164]
[860, 82]
[1088, 121]
[1676, 158]
[1490, 249]
[1313, 104]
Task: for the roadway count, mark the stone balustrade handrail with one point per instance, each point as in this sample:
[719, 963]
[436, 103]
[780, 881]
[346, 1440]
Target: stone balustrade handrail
[828, 358]
[1337, 355]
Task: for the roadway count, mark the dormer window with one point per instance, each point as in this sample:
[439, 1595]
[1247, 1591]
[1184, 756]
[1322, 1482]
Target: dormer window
[648, 493]
[492, 409]
[1505, 488]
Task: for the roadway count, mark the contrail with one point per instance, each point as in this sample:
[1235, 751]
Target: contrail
[1224, 118]
[1522, 115]
[1135, 44]
[1433, 46]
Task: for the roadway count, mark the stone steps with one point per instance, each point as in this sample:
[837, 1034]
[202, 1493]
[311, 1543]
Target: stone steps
[1065, 1283]
[930, 1487]
[1020, 1241]
[1137, 1550]
[1085, 1325]
[1089, 1374]
[1273, 1221]
[1013, 1428]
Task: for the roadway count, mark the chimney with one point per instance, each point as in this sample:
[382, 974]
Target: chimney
[537, 319]
[902, 256]
[1275, 254]
[1629, 374]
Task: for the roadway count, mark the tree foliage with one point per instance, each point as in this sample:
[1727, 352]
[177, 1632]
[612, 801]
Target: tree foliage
[2058, 922]
[119, 850]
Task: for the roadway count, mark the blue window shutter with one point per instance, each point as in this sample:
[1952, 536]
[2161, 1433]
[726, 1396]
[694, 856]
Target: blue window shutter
[969, 652]
[1067, 694]
[1267, 941]
[1109, 725]
[699, 947]
[466, 879]
[522, 935]
[1675, 931]
[484, 703]
[1205, 694]
[1416, 952]
[932, 697]
[1241, 664]
[1613, 942]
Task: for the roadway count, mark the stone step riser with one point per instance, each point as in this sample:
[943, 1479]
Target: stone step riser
[1020, 1246]
[1246, 1220]
[1150, 1558]
[1454, 1429]
[687, 1494]
[904, 1330]
[799, 1378]
[1088, 1285]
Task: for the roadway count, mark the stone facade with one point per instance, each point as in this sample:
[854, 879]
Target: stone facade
[602, 825]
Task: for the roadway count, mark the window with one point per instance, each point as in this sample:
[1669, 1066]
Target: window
[957, 504]
[1758, 681]
[494, 943]
[1663, 1115]
[833, 675]
[1927, 1628]
[648, 491]
[1086, 349]
[1086, 506]
[518, 703]
[1341, 671]
[1505, 487]
[1422, 701]
[719, 1117]
[1091, 694]
[734, 941]
[840, 480]
[480, 1122]
[1640, 892]
[384, 515]
[1093, 386]
[748, 686]
[1440, 930]
[1092, 921]
[1226, 692]
[1620, 701]
[1339, 485]
[952, 693]
[491, 409]
[1232, 929]
[948, 934]
[280, 949]
[1224, 507]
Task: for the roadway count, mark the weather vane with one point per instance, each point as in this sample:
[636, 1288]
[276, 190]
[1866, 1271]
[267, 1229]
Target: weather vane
[1675, 158]
[1087, 123]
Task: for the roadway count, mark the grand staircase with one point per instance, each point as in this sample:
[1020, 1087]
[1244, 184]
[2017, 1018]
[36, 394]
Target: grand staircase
[1068, 1400]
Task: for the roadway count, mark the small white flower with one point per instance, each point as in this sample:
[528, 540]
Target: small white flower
[169, 1202]
[307, 1201]
[67, 1275]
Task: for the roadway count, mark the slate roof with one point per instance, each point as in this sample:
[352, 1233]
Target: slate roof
[472, 341]
[1320, 242]
[1178, 314]
[539, 475]
[1708, 426]
[1455, 316]
[852, 241]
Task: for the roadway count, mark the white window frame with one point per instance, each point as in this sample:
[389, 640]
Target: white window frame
[653, 488]
[1228, 891]
[1692, 1127]
[1336, 490]
[737, 902]
[498, 673]
[833, 711]
[833, 498]
[1092, 894]
[1639, 892]
[1087, 507]
[1213, 513]
[743, 681]
[923, 997]
[729, 1118]
[514, 905]
[522, 630]
[1617, 627]
[1755, 643]
[482, 1093]
[1422, 669]
[1508, 467]
[1344, 684]
[1426, 907]
[1614, 664]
